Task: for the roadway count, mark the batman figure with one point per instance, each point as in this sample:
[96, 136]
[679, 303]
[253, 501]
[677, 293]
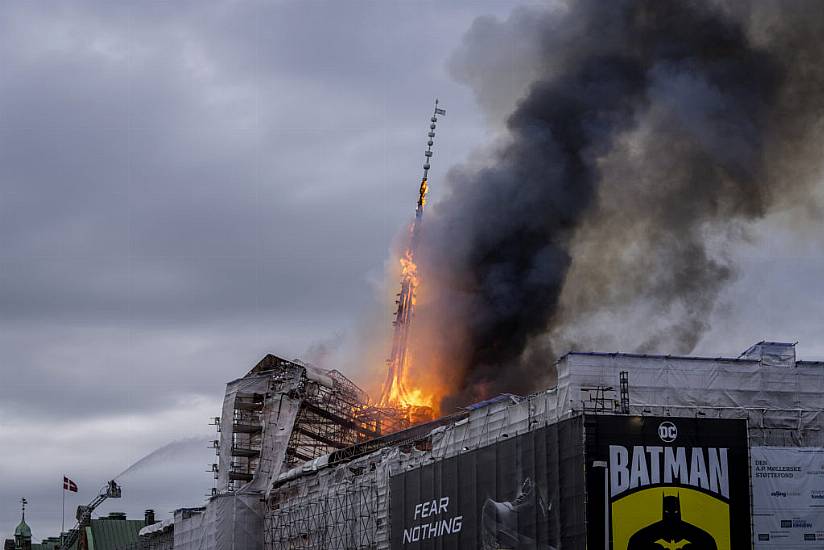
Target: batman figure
[517, 524]
[671, 532]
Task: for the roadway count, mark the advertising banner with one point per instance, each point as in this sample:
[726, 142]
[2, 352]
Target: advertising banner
[507, 495]
[788, 497]
[668, 483]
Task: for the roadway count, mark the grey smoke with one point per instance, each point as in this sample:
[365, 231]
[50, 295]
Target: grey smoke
[650, 135]
[319, 352]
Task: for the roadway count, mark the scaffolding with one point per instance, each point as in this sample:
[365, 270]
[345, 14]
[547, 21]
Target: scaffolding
[335, 416]
[284, 413]
[598, 399]
[247, 429]
[624, 384]
[345, 503]
[340, 517]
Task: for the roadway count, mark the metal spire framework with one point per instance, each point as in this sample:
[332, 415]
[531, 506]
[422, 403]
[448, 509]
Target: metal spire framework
[395, 393]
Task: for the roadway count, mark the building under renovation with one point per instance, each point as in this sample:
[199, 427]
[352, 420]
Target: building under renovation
[626, 451]
[280, 415]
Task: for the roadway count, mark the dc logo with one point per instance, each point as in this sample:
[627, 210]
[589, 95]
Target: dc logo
[667, 432]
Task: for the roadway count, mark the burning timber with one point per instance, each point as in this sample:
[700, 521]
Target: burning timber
[315, 412]
[396, 391]
[621, 440]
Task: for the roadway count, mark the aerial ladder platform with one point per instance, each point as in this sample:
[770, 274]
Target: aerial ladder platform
[84, 513]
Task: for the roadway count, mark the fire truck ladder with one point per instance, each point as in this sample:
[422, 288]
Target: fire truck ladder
[84, 513]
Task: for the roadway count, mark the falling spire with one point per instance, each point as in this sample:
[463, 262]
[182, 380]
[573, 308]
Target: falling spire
[395, 391]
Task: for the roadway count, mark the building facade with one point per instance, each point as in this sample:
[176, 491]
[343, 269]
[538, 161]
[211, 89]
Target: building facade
[625, 451]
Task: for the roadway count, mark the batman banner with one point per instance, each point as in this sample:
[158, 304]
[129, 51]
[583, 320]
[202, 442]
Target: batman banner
[667, 483]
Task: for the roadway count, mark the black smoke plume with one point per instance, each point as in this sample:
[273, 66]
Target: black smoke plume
[650, 133]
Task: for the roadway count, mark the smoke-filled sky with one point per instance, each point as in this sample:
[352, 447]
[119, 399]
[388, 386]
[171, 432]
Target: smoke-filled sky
[187, 186]
[648, 140]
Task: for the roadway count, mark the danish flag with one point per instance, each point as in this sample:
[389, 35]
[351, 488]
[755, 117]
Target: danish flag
[69, 485]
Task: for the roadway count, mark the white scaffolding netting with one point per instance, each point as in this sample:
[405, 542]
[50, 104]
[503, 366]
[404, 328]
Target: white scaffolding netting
[228, 522]
[346, 505]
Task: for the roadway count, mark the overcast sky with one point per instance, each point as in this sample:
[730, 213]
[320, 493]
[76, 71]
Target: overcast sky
[186, 186]
[183, 188]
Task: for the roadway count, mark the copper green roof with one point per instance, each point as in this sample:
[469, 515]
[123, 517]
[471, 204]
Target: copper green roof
[111, 534]
[22, 529]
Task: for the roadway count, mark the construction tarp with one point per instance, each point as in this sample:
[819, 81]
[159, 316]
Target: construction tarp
[329, 505]
[249, 385]
[277, 419]
[783, 404]
[229, 522]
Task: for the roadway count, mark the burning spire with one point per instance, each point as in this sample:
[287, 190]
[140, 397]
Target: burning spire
[396, 392]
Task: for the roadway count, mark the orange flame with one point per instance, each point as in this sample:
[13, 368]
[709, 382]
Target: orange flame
[409, 386]
[409, 271]
[402, 397]
[407, 389]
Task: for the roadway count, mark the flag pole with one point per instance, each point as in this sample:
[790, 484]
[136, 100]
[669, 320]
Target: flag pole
[63, 521]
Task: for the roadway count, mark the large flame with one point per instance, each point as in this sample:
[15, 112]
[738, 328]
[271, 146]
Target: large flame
[401, 396]
[409, 272]
[410, 387]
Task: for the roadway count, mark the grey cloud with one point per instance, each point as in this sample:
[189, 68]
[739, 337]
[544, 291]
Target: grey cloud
[185, 187]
